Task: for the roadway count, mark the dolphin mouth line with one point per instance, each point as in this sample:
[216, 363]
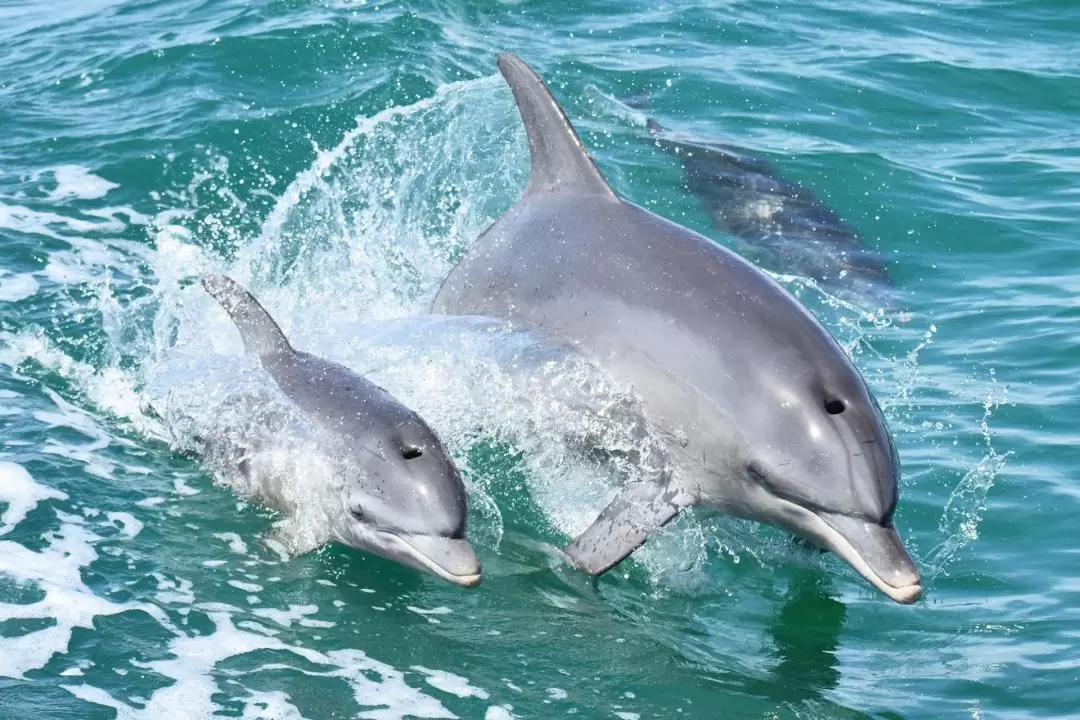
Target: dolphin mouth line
[466, 580]
[820, 531]
[903, 594]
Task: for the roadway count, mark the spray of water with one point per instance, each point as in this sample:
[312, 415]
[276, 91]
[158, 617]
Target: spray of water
[959, 524]
[346, 263]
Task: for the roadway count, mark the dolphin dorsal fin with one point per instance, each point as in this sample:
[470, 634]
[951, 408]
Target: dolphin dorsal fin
[559, 160]
[260, 333]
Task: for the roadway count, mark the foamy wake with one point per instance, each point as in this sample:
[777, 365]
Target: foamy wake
[53, 576]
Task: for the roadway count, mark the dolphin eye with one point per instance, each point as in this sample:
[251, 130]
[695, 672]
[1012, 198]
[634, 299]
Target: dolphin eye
[834, 406]
[411, 452]
[357, 513]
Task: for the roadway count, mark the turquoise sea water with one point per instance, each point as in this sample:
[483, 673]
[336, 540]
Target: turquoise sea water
[338, 155]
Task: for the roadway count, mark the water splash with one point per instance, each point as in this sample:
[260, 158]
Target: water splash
[959, 523]
[346, 262]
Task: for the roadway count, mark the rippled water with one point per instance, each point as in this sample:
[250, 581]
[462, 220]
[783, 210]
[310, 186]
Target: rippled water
[338, 156]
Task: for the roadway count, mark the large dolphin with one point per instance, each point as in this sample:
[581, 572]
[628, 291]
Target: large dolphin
[400, 495]
[764, 415]
[783, 226]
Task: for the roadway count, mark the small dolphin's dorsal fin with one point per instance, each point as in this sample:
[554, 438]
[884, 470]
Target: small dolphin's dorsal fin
[260, 333]
[559, 160]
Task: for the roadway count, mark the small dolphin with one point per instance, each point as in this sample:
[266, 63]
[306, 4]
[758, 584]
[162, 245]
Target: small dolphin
[783, 226]
[762, 413]
[402, 496]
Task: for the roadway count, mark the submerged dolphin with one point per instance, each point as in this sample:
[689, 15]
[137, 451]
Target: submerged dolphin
[401, 496]
[783, 226]
[763, 414]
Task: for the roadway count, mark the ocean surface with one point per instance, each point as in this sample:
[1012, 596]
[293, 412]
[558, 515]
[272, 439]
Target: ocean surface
[338, 156]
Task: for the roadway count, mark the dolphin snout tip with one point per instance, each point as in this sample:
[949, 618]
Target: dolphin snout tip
[452, 559]
[901, 584]
[466, 581]
[904, 595]
[904, 584]
[877, 553]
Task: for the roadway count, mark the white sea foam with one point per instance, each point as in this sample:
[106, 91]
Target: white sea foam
[450, 683]
[235, 542]
[295, 614]
[67, 602]
[128, 524]
[174, 591]
[109, 389]
[181, 487]
[377, 688]
[272, 705]
[196, 657]
[17, 287]
[441, 610]
[77, 182]
[70, 416]
[246, 587]
[21, 494]
[48, 224]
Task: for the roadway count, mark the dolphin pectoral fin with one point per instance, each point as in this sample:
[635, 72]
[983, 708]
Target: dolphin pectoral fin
[624, 525]
[559, 160]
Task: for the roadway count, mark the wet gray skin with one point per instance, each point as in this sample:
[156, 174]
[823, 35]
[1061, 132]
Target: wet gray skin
[784, 227]
[763, 414]
[402, 496]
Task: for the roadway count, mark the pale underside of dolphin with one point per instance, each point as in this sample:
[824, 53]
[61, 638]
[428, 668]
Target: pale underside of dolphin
[762, 413]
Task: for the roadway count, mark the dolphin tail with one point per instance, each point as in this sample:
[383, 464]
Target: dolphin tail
[625, 525]
[260, 333]
[559, 160]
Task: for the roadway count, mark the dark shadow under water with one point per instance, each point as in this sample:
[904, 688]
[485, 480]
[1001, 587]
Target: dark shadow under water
[805, 634]
[780, 225]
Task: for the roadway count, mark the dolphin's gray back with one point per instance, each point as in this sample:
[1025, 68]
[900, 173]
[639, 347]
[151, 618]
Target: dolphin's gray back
[600, 270]
[336, 398]
[615, 277]
[689, 322]
[332, 396]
